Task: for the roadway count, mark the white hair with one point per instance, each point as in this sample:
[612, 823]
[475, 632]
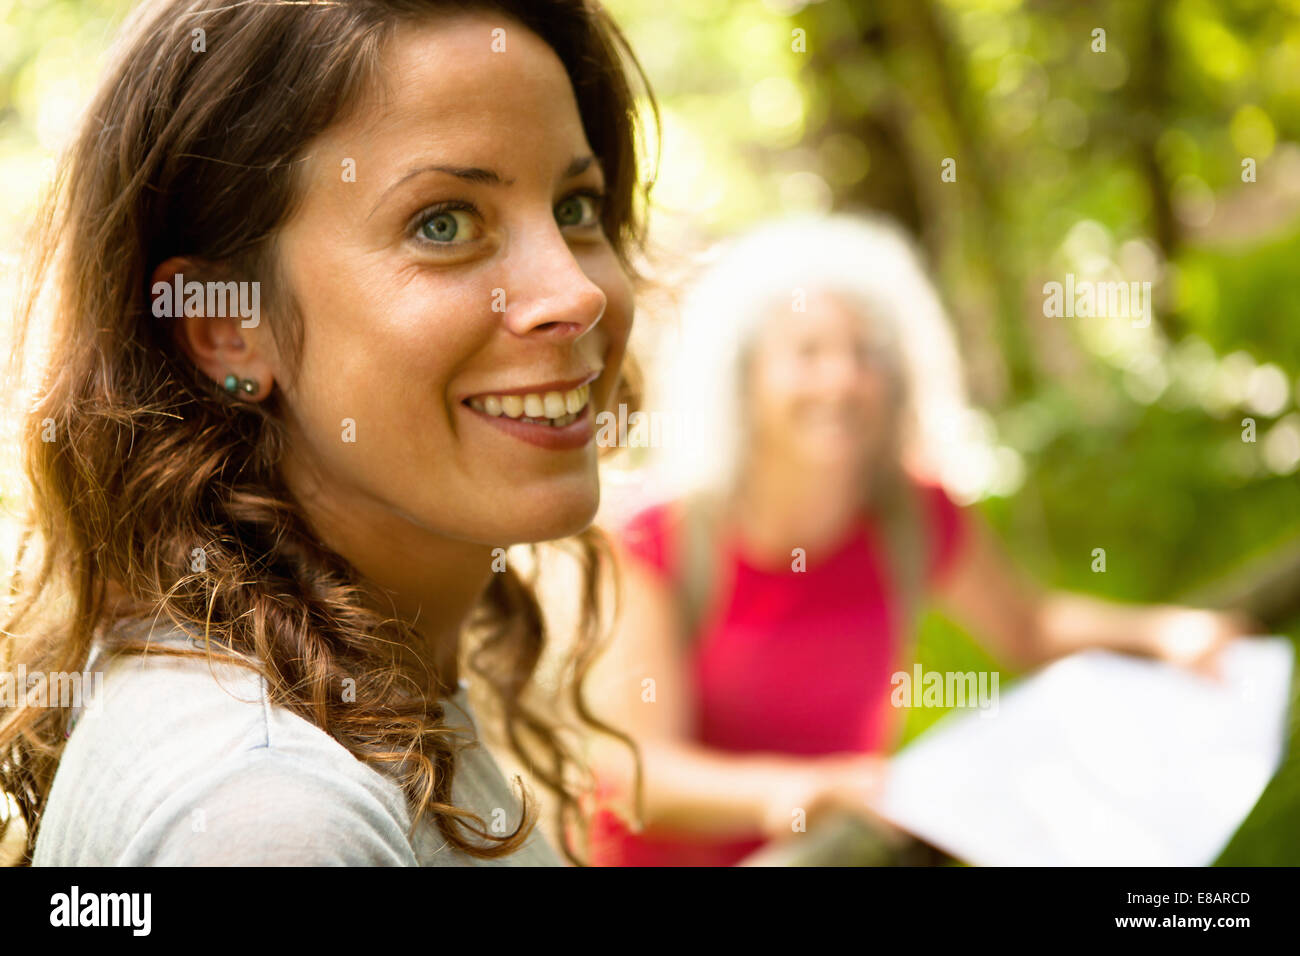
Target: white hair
[867, 260]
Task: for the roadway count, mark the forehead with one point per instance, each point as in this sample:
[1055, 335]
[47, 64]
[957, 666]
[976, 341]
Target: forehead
[479, 85]
[824, 311]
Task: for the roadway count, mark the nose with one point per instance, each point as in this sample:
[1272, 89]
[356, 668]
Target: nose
[549, 293]
[842, 372]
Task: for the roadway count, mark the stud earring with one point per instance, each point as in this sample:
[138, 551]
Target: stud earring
[234, 384]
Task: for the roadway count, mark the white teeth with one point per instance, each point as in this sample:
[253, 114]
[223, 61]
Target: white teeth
[553, 422]
[550, 408]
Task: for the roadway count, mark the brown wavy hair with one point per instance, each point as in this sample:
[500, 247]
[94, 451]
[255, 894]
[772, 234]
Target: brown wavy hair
[198, 155]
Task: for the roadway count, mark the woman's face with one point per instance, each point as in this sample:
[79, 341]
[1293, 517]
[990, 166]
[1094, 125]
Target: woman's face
[819, 389]
[450, 267]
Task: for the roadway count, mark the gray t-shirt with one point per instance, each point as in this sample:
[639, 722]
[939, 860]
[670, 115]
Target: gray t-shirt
[178, 763]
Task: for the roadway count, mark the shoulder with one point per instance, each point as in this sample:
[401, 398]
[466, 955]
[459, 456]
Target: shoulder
[940, 506]
[650, 536]
[177, 761]
[946, 526]
[271, 807]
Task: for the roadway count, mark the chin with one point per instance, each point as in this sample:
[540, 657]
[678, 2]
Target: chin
[558, 518]
[834, 454]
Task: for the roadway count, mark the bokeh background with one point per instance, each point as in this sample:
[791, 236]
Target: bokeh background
[1126, 164]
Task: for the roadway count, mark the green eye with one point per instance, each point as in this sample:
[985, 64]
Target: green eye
[441, 226]
[578, 210]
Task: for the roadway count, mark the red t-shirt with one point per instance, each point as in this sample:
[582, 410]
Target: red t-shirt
[788, 662]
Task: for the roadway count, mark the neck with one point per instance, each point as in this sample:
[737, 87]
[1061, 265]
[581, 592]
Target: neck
[425, 579]
[781, 504]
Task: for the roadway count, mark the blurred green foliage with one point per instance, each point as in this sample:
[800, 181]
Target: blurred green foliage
[1126, 162]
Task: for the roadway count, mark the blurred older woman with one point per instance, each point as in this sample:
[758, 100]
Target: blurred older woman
[815, 397]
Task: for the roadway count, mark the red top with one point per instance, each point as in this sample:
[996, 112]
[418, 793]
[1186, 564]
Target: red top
[790, 662]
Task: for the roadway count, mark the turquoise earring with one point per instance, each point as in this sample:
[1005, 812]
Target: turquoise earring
[233, 384]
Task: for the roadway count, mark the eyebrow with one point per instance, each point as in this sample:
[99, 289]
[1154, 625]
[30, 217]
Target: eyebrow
[579, 165]
[483, 177]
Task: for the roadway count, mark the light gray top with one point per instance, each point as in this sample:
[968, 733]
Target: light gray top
[176, 763]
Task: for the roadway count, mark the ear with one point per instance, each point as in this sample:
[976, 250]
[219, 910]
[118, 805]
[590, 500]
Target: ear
[216, 322]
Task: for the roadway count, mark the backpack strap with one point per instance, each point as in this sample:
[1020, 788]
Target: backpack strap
[906, 530]
[903, 520]
[697, 561]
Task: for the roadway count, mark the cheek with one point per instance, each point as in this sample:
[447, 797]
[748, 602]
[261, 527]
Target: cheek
[779, 387]
[605, 271]
[620, 302]
[877, 393]
[377, 357]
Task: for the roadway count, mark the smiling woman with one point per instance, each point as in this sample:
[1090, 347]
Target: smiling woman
[437, 203]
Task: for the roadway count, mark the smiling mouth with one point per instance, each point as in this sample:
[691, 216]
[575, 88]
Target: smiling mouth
[555, 409]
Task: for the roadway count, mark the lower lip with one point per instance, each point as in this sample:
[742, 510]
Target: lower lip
[577, 434]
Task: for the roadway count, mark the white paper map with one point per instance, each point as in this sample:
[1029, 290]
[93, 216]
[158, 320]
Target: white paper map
[1101, 759]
